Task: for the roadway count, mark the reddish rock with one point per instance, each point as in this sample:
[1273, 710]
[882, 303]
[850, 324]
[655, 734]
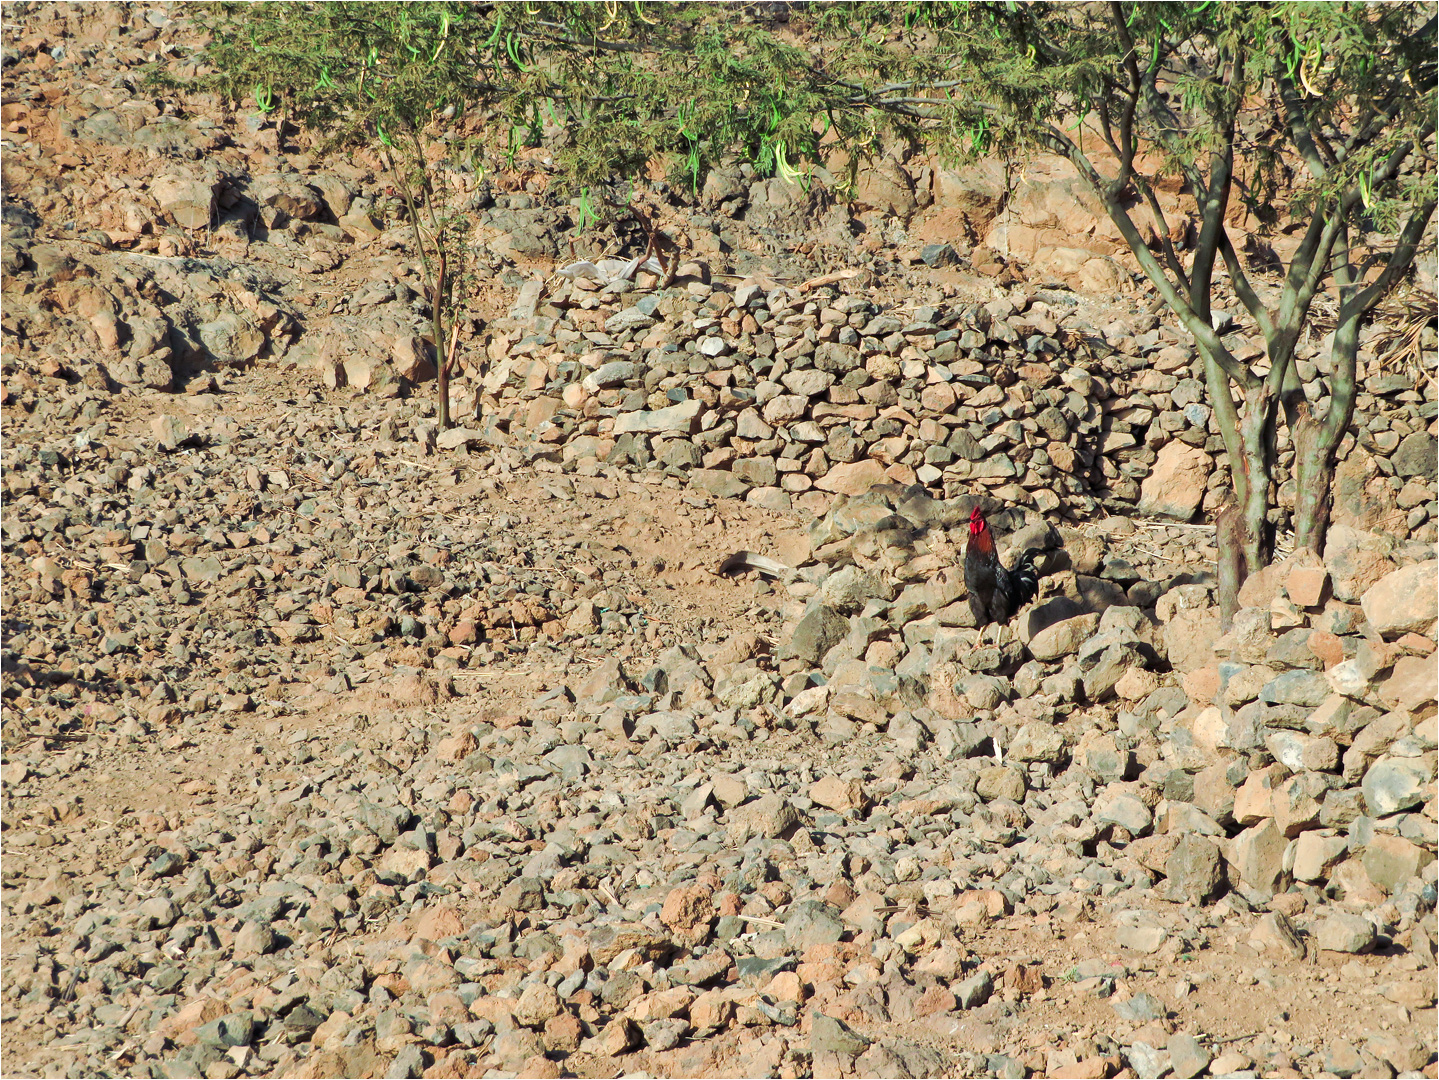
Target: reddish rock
[1202, 684]
[687, 911]
[1307, 586]
[1327, 647]
[562, 1033]
[1175, 486]
[437, 923]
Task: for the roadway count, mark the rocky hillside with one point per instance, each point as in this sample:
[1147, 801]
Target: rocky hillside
[339, 745]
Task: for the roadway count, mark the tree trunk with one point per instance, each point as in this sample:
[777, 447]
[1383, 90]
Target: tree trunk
[442, 369]
[1229, 535]
[1314, 483]
[1317, 439]
[1256, 461]
[442, 387]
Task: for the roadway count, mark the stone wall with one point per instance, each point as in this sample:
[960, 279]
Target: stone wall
[786, 398]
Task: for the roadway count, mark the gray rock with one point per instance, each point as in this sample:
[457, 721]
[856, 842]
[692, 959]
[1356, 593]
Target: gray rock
[1141, 1008]
[254, 939]
[818, 631]
[1194, 869]
[1394, 784]
[1145, 1059]
[975, 990]
[631, 318]
[682, 419]
[1118, 805]
[807, 381]
[1306, 688]
[828, 1035]
[771, 815]
[1038, 742]
[717, 482]
[812, 922]
[408, 1063]
[937, 255]
[232, 1029]
[849, 588]
[1417, 455]
[615, 373]
[1142, 939]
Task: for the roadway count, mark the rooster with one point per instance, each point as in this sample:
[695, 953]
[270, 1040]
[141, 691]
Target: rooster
[996, 593]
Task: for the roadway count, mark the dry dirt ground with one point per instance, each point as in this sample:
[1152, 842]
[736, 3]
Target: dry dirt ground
[1081, 988]
[1053, 1007]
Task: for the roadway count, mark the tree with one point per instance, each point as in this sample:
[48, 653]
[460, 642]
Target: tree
[1318, 117]
[614, 86]
[1231, 97]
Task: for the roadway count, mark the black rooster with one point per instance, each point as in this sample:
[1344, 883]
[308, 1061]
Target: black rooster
[996, 593]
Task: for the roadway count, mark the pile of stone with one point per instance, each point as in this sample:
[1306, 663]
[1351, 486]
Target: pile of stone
[1306, 730]
[1328, 675]
[786, 398]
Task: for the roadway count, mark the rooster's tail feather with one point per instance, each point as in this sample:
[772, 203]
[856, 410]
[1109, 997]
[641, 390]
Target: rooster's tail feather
[1025, 578]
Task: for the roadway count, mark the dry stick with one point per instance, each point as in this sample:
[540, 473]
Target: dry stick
[760, 921]
[829, 279]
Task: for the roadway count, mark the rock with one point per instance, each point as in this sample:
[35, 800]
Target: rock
[1274, 935]
[1307, 586]
[838, 794]
[1120, 805]
[1413, 685]
[681, 419]
[1136, 684]
[1063, 638]
[688, 911]
[1392, 861]
[1303, 688]
[232, 1029]
[409, 1062]
[1405, 600]
[1194, 869]
[1355, 561]
[975, 990]
[1142, 939]
[1176, 484]
[937, 255]
[1416, 455]
[717, 482]
[1141, 1008]
[850, 587]
[254, 939]
[231, 339]
[188, 203]
[620, 1036]
[812, 922]
[1394, 784]
[1344, 932]
[853, 479]
[1001, 782]
[1037, 742]
[828, 1035]
[1315, 853]
[152, 372]
[1187, 1056]
[537, 1004]
[615, 373]
[771, 815]
[1257, 856]
[818, 632]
